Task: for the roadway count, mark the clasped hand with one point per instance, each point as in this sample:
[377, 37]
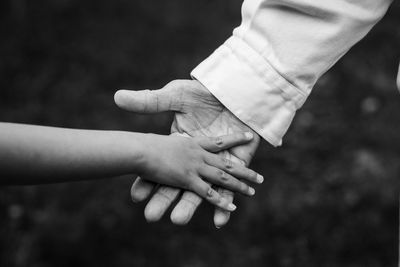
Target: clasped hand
[197, 113]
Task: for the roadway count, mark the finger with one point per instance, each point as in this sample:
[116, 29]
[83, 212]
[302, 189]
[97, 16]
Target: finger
[216, 144]
[236, 169]
[141, 189]
[160, 202]
[242, 155]
[205, 190]
[184, 210]
[146, 101]
[247, 152]
[219, 177]
[221, 217]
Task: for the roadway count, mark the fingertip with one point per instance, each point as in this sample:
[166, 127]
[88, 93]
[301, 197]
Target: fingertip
[179, 217]
[152, 213]
[226, 205]
[141, 190]
[252, 191]
[140, 193]
[182, 213]
[231, 207]
[221, 218]
[119, 96]
[260, 178]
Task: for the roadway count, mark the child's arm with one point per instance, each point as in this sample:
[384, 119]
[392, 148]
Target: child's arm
[37, 154]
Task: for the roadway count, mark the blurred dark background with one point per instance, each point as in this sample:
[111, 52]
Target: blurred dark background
[331, 192]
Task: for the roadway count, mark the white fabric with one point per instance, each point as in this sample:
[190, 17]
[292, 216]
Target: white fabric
[266, 70]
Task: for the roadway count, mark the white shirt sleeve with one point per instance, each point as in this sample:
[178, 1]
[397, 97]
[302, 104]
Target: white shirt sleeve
[266, 70]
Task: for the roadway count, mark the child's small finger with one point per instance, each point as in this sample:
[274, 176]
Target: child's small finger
[238, 170]
[219, 177]
[212, 196]
[216, 144]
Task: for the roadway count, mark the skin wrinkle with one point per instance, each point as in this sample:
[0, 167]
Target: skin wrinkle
[196, 121]
[225, 179]
[184, 197]
[199, 126]
[210, 193]
[228, 163]
[218, 141]
[225, 191]
[160, 193]
[181, 107]
[208, 101]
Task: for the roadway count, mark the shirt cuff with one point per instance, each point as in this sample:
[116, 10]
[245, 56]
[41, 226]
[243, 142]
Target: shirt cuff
[246, 84]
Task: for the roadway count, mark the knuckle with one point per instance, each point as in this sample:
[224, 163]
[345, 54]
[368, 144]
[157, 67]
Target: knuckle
[224, 177]
[253, 175]
[210, 192]
[227, 163]
[219, 141]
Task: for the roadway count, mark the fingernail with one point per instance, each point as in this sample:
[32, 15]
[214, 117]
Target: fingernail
[260, 178]
[231, 207]
[252, 191]
[248, 135]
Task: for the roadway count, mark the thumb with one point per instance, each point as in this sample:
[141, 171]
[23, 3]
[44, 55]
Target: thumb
[246, 152]
[147, 101]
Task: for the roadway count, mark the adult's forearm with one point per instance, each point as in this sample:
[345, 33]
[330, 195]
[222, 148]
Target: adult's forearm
[266, 70]
[38, 154]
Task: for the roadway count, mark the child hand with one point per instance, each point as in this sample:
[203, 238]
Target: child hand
[186, 162]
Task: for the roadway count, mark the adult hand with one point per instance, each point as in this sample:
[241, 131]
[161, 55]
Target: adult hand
[197, 113]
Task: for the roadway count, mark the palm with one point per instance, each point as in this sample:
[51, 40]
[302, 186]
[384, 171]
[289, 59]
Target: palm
[203, 115]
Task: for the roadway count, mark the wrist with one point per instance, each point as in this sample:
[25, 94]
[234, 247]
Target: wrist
[141, 151]
[132, 149]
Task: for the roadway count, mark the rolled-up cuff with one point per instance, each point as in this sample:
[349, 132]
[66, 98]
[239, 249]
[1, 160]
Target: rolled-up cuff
[245, 83]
